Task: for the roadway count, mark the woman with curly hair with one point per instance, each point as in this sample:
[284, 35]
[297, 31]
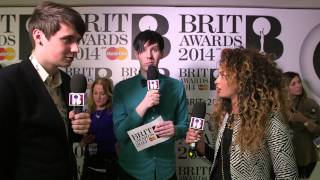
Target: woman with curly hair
[304, 122]
[252, 139]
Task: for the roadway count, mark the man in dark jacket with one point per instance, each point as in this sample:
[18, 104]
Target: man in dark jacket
[36, 128]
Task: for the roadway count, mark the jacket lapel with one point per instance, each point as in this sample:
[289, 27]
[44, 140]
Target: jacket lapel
[32, 77]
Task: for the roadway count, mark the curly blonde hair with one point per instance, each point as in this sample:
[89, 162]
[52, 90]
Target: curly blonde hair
[107, 85]
[260, 91]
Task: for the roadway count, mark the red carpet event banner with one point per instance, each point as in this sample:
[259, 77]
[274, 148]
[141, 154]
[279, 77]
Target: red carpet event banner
[194, 37]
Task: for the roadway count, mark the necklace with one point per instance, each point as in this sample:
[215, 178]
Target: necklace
[98, 114]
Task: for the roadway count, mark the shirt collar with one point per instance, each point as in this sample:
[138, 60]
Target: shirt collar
[160, 76]
[43, 73]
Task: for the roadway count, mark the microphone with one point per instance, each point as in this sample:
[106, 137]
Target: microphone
[152, 78]
[153, 82]
[78, 85]
[197, 121]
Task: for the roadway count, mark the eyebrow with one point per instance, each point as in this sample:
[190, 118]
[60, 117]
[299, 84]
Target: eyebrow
[70, 37]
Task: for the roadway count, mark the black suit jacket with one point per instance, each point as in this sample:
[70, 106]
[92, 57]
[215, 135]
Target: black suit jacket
[34, 141]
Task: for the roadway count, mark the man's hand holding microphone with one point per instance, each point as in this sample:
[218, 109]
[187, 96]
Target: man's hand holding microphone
[152, 101]
[80, 120]
[152, 98]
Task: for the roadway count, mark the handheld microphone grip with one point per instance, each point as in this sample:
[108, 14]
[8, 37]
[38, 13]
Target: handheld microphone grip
[193, 146]
[77, 109]
[78, 85]
[197, 122]
[153, 83]
[192, 150]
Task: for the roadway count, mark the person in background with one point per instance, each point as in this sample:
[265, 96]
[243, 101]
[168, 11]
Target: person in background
[134, 105]
[252, 139]
[37, 130]
[304, 122]
[100, 160]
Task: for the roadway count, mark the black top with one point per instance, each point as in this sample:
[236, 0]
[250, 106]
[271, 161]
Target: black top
[223, 159]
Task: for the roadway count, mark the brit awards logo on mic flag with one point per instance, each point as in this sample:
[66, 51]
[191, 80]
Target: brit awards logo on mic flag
[76, 99]
[197, 123]
[153, 84]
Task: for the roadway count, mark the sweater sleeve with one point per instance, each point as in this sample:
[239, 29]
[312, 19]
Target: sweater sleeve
[181, 114]
[123, 119]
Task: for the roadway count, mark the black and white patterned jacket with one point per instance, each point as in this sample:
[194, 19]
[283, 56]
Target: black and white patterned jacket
[275, 157]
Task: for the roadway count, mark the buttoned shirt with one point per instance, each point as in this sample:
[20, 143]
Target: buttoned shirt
[52, 83]
[157, 161]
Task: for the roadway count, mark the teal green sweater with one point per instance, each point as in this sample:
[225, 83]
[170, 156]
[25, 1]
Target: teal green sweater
[159, 159]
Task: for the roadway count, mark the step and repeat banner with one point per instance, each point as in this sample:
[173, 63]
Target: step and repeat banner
[194, 38]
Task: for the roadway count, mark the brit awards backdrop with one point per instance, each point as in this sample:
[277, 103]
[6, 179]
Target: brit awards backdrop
[194, 38]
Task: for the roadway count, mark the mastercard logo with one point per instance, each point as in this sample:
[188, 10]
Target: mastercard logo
[7, 53]
[203, 87]
[113, 53]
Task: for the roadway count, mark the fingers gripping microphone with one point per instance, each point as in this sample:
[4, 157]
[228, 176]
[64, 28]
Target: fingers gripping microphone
[197, 121]
[78, 85]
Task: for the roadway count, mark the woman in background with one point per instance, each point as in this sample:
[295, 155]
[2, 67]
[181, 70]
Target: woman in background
[252, 139]
[304, 123]
[100, 159]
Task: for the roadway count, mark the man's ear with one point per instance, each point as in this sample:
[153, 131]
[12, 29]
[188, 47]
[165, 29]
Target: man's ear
[37, 36]
[161, 55]
[136, 54]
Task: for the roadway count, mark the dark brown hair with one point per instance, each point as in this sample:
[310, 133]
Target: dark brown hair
[47, 17]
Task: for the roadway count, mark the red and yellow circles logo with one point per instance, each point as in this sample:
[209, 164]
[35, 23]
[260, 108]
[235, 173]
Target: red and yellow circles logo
[7, 53]
[113, 53]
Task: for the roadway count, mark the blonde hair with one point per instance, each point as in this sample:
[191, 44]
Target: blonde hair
[260, 92]
[107, 85]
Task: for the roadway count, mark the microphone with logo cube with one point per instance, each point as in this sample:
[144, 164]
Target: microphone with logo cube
[152, 78]
[78, 85]
[197, 122]
[153, 83]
